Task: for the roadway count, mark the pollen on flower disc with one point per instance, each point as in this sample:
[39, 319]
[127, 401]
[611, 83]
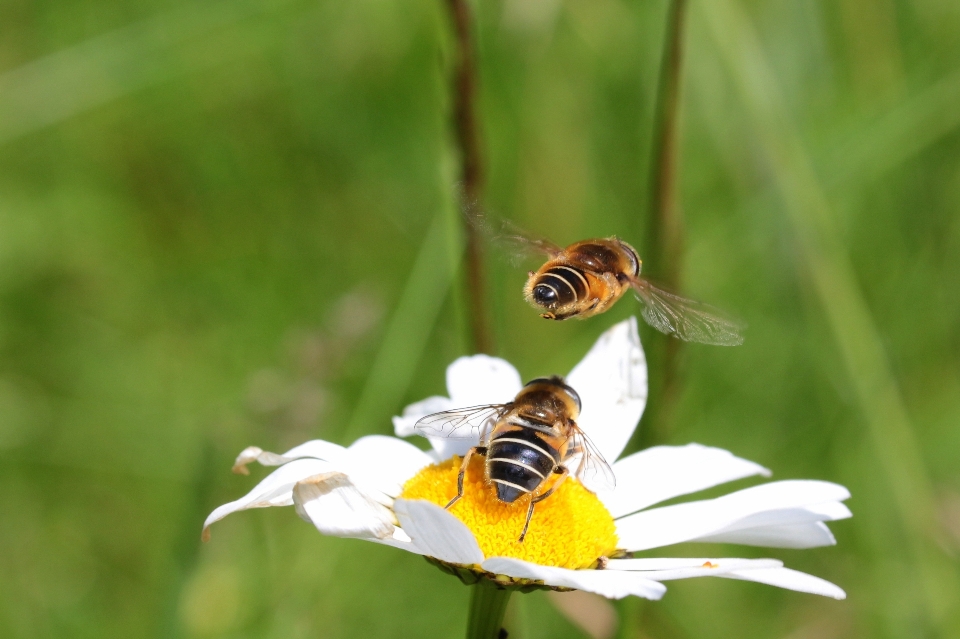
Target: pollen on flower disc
[571, 528]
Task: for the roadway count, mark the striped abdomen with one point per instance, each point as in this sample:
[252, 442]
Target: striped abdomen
[559, 286]
[518, 461]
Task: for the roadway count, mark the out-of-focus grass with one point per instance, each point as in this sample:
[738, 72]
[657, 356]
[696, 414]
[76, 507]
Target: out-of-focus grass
[213, 223]
[825, 261]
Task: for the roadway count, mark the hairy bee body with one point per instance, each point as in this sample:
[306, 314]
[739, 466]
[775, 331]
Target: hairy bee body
[584, 279]
[530, 440]
[524, 442]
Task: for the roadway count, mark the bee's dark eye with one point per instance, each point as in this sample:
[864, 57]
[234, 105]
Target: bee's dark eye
[544, 295]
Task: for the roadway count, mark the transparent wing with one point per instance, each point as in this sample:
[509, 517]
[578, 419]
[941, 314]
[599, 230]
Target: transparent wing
[461, 423]
[587, 463]
[520, 243]
[686, 319]
[509, 239]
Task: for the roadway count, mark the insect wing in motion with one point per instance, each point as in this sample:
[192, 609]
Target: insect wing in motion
[685, 319]
[524, 244]
[516, 243]
[587, 463]
[461, 423]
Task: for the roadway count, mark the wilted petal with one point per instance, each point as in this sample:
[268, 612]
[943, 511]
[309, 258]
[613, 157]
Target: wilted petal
[612, 383]
[315, 449]
[663, 472]
[337, 507]
[789, 579]
[275, 490]
[404, 426]
[612, 584]
[482, 379]
[810, 535]
[437, 533]
[774, 504]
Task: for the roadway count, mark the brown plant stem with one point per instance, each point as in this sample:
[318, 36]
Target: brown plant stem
[663, 245]
[471, 175]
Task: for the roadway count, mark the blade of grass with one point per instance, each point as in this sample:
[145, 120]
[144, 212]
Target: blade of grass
[832, 276]
[409, 329]
[663, 240]
[906, 130]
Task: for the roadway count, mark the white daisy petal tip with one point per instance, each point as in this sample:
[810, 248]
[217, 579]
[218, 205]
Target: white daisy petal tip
[775, 506]
[659, 473]
[247, 456]
[313, 449]
[276, 489]
[790, 580]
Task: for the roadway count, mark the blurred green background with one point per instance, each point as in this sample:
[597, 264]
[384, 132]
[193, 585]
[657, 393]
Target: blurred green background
[226, 224]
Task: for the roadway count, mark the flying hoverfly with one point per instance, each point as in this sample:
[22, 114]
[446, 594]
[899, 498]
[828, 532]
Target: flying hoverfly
[588, 277]
[525, 442]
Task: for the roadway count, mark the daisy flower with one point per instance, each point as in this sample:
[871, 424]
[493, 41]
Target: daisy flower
[387, 491]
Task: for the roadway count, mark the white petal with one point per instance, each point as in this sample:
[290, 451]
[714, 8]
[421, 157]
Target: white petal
[437, 533]
[741, 531]
[774, 504]
[667, 569]
[447, 448]
[791, 580]
[612, 584]
[766, 571]
[663, 472]
[811, 535]
[276, 489]
[400, 540]
[612, 383]
[337, 507]
[403, 426]
[482, 379]
[315, 449]
[385, 462]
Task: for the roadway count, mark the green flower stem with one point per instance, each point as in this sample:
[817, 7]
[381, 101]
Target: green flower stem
[488, 604]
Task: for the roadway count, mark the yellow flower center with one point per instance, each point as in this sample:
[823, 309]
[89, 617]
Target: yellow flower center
[571, 528]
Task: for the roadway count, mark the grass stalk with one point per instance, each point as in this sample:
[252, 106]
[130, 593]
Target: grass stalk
[663, 239]
[407, 333]
[467, 135]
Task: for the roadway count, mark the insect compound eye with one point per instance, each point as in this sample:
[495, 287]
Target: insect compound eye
[544, 295]
[575, 396]
[539, 380]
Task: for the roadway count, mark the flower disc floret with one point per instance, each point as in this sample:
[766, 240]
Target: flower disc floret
[570, 529]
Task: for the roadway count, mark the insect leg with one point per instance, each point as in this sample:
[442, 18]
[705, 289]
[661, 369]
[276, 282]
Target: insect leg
[464, 464]
[564, 473]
